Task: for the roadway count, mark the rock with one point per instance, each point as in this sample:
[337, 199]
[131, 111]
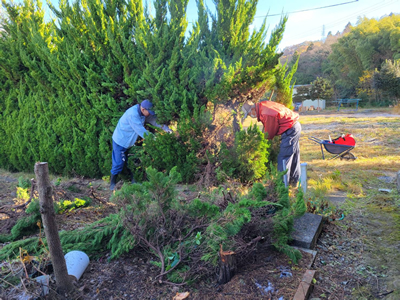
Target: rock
[44, 281]
[386, 179]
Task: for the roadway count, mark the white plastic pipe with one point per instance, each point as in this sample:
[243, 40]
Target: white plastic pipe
[77, 262]
[303, 176]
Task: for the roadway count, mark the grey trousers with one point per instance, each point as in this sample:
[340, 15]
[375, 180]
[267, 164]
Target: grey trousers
[290, 153]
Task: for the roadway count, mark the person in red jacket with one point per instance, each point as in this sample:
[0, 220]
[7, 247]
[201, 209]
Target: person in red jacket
[280, 120]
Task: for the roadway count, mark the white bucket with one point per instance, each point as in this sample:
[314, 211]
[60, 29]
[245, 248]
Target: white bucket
[76, 261]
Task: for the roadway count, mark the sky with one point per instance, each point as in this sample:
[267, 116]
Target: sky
[309, 25]
[317, 16]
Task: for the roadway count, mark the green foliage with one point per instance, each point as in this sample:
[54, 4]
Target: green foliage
[25, 225]
[321, 89]
[108, 233]
[31, 245]
[247, 159]
[94, 239]
[284, 217]
[66, 82]
[388, 79]
[284, 83]
[364, 48]
[67, 205]
[165, 151]
[28, 224]
[24, 183]
[184, 236]
[302, 93]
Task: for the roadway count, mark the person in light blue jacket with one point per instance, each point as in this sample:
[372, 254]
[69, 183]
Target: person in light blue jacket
[130, 126]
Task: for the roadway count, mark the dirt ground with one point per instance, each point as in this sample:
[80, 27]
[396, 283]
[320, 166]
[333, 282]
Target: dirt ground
[348, 262]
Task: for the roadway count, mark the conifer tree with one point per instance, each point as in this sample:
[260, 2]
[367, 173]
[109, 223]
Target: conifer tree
[66, 82]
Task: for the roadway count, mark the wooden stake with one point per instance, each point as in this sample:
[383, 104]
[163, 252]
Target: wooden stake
[63, 280]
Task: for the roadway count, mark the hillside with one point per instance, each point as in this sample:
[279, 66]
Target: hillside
[312, 55]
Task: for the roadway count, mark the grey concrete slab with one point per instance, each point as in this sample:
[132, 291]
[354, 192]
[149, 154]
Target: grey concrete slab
[307, 228]
[337, 197]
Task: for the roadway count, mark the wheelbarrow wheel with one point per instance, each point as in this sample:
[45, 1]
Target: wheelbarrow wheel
[348, 156]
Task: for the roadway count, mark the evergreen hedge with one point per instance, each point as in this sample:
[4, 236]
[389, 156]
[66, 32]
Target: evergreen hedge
[65, 82]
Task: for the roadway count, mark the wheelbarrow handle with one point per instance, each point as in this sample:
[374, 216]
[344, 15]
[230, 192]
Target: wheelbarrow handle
[316, 140]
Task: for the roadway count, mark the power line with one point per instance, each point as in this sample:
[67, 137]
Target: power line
[346, 18]
[310, 9]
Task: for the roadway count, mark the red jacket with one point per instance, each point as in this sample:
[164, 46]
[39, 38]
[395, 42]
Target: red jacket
[275, 117]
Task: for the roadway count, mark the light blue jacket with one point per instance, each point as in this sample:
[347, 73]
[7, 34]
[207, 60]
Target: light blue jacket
[131, 125]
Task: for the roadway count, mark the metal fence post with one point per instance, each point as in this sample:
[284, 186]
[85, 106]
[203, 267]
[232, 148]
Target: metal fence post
[285, 180]
[303, 176]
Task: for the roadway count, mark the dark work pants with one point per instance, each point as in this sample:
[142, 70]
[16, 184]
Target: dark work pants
[290, 152]
[119, 158]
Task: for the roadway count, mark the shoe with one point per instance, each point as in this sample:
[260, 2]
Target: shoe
[294, 183]
[113, 182]
[130, 174]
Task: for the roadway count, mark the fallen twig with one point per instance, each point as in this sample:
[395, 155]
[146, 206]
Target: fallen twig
[22, 262]
[10, 284]
[385, 293]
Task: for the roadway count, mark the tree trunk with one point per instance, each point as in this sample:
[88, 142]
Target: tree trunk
[63, 280]
[227, 266]
[235, 121]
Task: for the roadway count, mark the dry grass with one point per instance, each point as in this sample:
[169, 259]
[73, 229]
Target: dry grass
[377, 151]
[396, 109]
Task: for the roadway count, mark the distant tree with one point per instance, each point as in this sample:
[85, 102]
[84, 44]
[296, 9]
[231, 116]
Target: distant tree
[366, 89]
[302, 93]
[388, 79]
[363, 48]
[321, 88]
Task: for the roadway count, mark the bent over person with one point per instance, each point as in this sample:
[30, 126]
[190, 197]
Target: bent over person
[280, 120]
[130, 126]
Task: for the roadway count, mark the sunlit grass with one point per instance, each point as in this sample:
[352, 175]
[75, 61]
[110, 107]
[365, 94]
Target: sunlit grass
[377, 151]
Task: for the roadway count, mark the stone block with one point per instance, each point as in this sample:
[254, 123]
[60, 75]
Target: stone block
[307, 228]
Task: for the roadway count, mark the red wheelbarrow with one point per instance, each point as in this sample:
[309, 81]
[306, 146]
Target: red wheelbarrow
[339, 147]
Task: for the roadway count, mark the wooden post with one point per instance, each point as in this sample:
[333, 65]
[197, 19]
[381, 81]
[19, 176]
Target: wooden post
[63, 280]
[227, 266]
